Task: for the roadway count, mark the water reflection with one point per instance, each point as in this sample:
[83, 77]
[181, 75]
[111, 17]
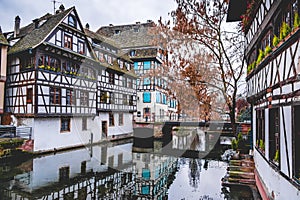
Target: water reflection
[119, 170]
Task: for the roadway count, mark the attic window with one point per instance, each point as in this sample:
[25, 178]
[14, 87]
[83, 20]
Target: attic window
[136, 30]
[72, 21]
[132, 53]
[117, 32]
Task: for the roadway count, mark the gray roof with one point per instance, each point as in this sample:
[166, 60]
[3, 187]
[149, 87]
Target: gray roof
[130, 36]
[35, 36]
[3, 40]
[103, 39]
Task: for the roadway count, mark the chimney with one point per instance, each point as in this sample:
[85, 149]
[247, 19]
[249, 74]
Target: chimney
[111, 25]
[87, 26]
[61, 8]
[137, 22]
[149, 20]
[36, 23]
[17, 26]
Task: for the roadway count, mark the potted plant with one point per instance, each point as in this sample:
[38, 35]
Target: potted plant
[262, 145]
[296, 23]
[276, 157]
[275, 41]
[268, 50]
[234, 144]
[260, 57]
[285, 29]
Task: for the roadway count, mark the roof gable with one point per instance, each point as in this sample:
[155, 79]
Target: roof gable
[36, 36]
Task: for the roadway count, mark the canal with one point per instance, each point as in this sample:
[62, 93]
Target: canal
[123, 170]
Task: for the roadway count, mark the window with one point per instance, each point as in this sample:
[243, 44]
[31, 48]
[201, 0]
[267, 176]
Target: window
[146, 112]
[121, 64]
[65, 124]
[296, 143]
[260, 129]
[70, 67]
[84, 98]
[147, 97]
[109, 60]
[81, 48]
[111, 78]
[49, 63]
[125, 102]
[27, 62]
[64, 173]
[121, 119]
[158, 97]
[111, 119]
[136, 30]
[111, 98]
[72, 21]
[101, 57]
[87, 72]
[147, 65]
[68, 41]
[69, 98]
[274, 135]
[132, 53]
[55, 95]
[145, 189]
[146, 173]
[129, 83]
[29, 95]
[104, 96]
[117, 32]
[135, 66]
[147, 81]
[83, 167]
[84, 123]
[131, 100]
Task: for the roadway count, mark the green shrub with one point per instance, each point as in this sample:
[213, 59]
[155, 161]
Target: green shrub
[240, 137]
[296, 20]
[275, 41]
[260, 57]
[261, 144]
[285, 29]
[268, 50]
[276, 158]
[234, 144]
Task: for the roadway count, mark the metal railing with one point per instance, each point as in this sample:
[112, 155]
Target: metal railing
[24, 132]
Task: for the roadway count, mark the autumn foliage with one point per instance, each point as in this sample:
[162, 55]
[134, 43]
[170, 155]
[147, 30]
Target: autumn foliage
[206, 58]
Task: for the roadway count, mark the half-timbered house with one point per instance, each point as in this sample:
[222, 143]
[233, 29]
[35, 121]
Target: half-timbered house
[272, 33]
[154, 101]
[3, 59]
[116, 90]
[58, 85]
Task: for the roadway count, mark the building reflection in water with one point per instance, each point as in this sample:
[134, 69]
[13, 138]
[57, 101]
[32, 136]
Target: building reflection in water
[107, 174]
[117, 171]
[154, 174]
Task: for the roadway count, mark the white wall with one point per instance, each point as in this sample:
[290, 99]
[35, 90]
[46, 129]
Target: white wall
[47, 135]
[273, 181]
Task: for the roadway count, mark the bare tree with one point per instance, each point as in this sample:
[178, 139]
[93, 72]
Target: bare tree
[205, 52]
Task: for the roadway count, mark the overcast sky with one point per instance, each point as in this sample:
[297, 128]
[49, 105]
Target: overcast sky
[95, 12]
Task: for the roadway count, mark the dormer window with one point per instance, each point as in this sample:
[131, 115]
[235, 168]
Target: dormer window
[132, 53]
[72, 21]
[81, 48]
[68, 41]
